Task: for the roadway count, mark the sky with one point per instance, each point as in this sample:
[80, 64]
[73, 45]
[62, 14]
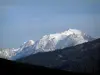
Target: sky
[23, 20]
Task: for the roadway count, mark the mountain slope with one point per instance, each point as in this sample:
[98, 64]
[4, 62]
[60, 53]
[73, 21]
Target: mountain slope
[24, 50]
[67, 38]
[80, 58]
[11, 67]
[53, 42]
[8, 53]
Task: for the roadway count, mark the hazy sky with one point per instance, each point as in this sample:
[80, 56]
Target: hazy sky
[23, 20]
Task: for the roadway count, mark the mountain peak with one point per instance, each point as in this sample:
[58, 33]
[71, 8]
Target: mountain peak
[27, 44]
[70, 37]
[30, 42]
[72, 31]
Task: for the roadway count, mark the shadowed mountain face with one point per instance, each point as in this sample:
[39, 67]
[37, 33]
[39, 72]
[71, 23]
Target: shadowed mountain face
[81, 58]
[8, 67]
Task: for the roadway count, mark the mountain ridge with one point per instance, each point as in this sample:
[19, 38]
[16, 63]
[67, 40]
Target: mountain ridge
[80, 58]
[52, 42]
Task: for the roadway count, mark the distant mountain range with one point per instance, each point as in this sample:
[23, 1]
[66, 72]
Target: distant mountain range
[80, 58]
[52, 42]
[71, 50]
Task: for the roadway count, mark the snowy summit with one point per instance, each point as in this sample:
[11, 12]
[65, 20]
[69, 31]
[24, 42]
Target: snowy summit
[52, 42]
[61, 40]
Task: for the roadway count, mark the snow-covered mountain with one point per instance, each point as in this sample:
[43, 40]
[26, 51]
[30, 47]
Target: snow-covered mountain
[27, 44]
[81, 58]
[9, 53]
[52, 42]
[67, 38]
